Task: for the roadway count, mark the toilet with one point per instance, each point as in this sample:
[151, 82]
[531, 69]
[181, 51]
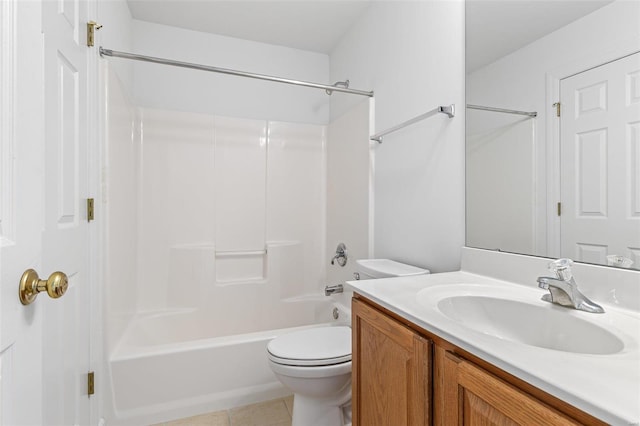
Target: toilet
[315, 363]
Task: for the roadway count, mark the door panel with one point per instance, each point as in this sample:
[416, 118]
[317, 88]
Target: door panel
[21, 189]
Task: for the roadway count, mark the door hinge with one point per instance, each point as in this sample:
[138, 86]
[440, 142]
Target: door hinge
[90, 210]
[91, 383]
[557, 105]
[92, 26]
[559, 209]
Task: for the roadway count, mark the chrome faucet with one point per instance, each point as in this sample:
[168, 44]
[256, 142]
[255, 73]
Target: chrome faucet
[563, 289]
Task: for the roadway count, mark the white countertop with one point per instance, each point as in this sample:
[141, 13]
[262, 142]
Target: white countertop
[605, 386]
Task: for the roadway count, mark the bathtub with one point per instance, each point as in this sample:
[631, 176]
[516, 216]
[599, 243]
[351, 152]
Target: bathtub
[168, 366]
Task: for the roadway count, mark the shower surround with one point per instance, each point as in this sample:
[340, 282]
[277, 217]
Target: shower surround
[217, 196]
[215, 230]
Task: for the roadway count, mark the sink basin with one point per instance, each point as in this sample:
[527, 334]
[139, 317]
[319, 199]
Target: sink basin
[517, 315]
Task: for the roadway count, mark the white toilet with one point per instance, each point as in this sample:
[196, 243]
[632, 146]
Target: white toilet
[315, 363]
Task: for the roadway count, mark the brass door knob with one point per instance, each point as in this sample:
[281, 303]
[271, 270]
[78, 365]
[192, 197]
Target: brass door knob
[30, 285]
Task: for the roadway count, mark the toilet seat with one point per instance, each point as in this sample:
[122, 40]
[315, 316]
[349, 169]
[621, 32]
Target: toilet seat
[314, 347]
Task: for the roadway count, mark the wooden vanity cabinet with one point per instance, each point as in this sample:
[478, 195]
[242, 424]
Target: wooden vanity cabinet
[403, 375]
[391, 371]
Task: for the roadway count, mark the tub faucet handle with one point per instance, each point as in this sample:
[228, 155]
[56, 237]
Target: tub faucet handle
[341, 255]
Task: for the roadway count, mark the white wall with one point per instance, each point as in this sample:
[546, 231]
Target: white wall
[348, 182]
[182, 89]
[412, 55]
[115, 34]
[520, 81]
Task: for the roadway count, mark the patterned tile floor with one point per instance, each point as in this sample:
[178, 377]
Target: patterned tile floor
[269, 413]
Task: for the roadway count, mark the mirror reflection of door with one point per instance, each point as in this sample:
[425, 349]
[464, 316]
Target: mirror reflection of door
[600, 164]
[513, 162]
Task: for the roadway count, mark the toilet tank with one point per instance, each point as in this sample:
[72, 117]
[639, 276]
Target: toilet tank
[385, 268]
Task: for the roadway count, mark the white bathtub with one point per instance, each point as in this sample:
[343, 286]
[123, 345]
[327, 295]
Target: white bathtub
[167, 366]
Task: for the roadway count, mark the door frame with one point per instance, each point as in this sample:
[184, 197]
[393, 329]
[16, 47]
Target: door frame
[618, 49]
[96, 243]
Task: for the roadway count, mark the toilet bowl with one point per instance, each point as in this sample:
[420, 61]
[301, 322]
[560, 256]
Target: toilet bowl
[315, 363]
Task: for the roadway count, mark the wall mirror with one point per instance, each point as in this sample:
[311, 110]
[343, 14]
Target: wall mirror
[553, 129]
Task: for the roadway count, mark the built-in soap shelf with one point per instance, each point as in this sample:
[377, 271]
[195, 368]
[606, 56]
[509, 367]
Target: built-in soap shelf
[241, 253]
[204, 264]
[279, 264]
[241, 267]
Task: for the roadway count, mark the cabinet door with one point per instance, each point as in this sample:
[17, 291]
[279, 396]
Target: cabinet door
[391, 371]
[475, 397]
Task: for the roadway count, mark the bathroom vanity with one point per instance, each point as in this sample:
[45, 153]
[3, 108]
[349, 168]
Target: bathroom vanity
[465, 348]
[422, 377]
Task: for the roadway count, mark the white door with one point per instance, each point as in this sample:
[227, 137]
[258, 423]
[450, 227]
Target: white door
[46, 344]
[600, 162]
[21, 148]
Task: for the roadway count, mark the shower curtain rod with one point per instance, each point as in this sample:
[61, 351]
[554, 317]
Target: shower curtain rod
[326, 87]
[450, 110]
[506, 111]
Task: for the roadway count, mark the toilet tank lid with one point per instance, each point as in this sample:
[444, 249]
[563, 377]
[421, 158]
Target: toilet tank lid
[327, 342]
[388, 268]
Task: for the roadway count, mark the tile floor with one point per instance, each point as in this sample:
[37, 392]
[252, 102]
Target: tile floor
[270, 413]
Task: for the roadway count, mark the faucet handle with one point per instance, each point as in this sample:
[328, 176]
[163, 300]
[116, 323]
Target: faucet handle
[562, 268]
[341, 255]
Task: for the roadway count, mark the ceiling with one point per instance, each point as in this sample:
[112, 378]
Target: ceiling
[494, 28]
[314, 25]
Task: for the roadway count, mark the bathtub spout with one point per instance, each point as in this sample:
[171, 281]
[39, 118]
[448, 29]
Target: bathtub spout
[332, 289]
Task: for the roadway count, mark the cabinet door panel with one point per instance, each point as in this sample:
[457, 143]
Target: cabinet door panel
[483, 399]
[478, 412]
[391, 371]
